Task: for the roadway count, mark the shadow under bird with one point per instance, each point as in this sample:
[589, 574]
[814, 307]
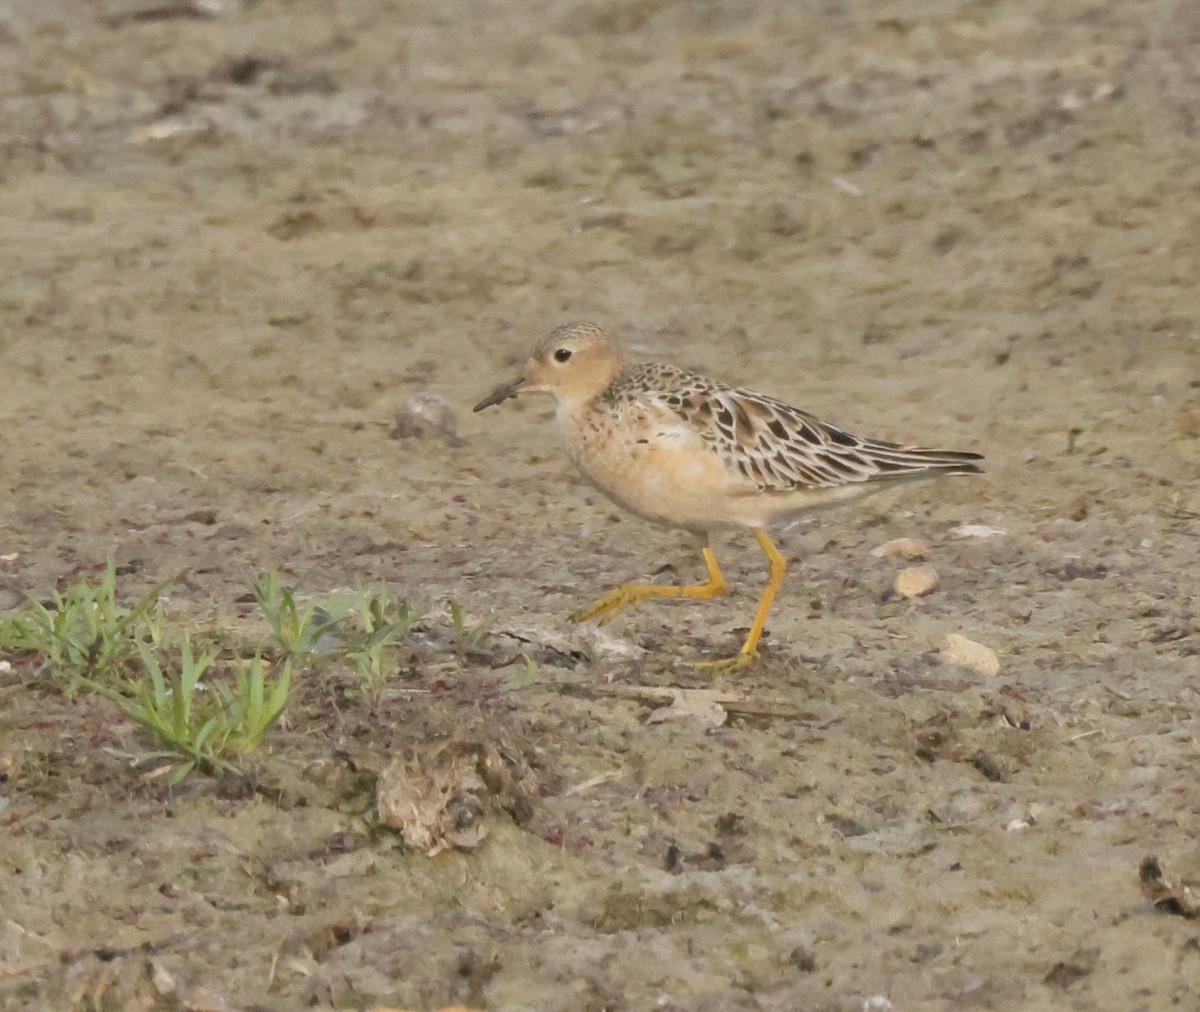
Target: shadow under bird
[685, 451]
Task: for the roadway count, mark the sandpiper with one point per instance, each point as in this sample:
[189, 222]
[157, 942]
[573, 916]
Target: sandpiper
[686, 451]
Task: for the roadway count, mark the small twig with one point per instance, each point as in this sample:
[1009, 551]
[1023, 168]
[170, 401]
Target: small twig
[595, 781]
[844, 184]
[738, 706]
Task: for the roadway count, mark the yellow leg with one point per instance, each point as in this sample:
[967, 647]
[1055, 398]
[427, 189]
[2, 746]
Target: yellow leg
[778, 567]
[774, 582]
[632, 593]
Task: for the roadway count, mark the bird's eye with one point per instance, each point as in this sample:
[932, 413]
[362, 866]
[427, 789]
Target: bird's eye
[562, 354]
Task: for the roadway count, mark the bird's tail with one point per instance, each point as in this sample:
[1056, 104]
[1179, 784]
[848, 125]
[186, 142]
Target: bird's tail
[895, 462]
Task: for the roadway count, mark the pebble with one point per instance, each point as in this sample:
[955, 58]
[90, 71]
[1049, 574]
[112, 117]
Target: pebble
[960, 650]
[426, 414]
[916, 581]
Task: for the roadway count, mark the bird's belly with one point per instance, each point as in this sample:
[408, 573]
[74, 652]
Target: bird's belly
[661, 479]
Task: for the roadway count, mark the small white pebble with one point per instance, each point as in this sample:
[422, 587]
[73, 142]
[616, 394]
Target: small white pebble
[977, 531]
[877, 1003]
[5, 667]
[960, 650]
[910, 548]
[1147, 542]
[916, 581]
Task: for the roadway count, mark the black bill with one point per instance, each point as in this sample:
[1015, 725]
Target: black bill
[501, 393]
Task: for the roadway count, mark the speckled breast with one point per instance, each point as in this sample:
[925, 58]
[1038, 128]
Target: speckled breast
[659, 472]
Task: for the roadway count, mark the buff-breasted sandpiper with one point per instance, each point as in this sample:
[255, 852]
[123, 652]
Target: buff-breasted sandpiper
[686, 451]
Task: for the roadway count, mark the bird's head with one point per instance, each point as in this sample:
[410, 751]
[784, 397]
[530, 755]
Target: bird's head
[576, 361]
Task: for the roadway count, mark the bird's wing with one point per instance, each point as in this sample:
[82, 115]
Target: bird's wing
[777, 447]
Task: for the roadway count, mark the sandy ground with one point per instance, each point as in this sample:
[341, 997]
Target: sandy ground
[233, 246]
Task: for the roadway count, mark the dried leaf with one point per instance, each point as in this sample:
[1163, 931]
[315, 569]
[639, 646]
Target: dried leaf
[701, 706]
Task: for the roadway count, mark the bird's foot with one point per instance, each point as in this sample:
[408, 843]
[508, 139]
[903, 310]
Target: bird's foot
[727, 665]
[614, 601]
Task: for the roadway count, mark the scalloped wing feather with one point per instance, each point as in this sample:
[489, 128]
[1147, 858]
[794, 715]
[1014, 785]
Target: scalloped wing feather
[778, 448]
[770, 445]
